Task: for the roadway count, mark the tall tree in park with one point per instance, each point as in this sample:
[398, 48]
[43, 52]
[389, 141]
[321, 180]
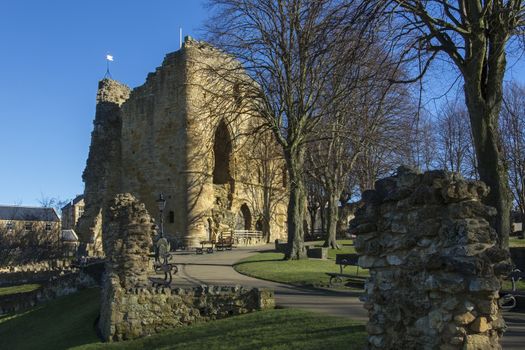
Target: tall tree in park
[285, 46]
[513, 132]
[368, 111]
[474, 35]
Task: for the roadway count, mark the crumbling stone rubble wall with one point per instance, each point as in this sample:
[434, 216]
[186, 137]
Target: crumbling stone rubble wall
[434, 263]
[128, 240]
[143, 311]
[102, 173]
[131, 308]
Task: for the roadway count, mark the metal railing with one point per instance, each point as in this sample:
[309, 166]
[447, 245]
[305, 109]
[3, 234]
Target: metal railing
[247, 237]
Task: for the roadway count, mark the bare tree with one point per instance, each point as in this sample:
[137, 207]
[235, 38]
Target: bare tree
[269, 190]
[513, 133]
[52, 202]
[287, 48]
[474, 36]
[455, 151]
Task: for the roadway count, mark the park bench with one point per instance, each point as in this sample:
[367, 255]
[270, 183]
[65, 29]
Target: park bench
[225, 242]
[205, 245]
[344, 260]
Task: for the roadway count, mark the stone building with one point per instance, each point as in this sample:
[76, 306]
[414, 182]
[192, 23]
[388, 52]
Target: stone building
[174, 135]
[15, 218]
[71, 212]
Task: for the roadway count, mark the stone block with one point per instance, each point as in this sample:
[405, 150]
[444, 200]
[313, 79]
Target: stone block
[317, 253]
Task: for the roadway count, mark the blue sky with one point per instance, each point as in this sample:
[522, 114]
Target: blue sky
[52, 56]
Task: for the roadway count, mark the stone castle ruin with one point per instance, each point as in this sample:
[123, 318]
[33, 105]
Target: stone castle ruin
[131, 307]
[173, 135]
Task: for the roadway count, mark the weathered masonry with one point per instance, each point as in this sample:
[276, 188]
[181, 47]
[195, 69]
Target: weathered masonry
[174, 135]
[434, 265]
[130, 307]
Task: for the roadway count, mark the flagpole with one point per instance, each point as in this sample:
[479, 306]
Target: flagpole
[108, 73]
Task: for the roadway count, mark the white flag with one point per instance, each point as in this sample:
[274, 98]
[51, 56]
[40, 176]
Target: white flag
[109, 58]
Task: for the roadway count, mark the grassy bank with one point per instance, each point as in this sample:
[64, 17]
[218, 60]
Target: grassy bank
[23, 288]
[284, 329]
[59, 324]
[69, 322]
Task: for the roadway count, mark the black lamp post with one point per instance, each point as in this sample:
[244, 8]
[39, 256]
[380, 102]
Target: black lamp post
[161, 203]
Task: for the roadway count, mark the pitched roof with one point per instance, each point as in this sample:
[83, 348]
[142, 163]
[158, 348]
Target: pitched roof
[74, 201]
[69, 236]
[78, 198]
[18, 213]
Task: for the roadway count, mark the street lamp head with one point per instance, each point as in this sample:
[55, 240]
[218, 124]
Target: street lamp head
[161, 202]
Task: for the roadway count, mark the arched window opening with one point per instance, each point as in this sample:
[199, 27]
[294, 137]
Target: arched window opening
[222, 148]
[244, 218]
[259, 225]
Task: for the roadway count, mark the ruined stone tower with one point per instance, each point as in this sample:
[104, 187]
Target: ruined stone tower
[174, 135]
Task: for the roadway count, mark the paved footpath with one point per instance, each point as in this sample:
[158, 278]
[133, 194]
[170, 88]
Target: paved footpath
[217, 269]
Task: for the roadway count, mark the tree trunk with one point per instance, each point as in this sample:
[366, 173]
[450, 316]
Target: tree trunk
[333, 216]
[313, 216]
[266, 228]
[484, 115]
[322, 215]
[295, 161]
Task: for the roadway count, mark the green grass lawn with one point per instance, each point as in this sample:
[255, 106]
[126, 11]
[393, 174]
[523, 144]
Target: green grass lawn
[516, 242]
[310, 272]
[275, 329]
[59, 324]
[346, 247]
[23, 288]
[68, 322]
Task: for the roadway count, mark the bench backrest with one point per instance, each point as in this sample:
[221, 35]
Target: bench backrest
[346, 259]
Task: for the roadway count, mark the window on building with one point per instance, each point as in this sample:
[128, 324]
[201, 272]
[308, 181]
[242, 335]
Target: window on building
[9, 226]
[48, 227]
[28, 226]
[172, 217]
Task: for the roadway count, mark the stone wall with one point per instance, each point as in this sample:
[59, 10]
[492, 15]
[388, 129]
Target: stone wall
[434, 263]
[143, 311]
[52, 288]
[127, 241]
[129, 307]
[44, 265]
[102, 173]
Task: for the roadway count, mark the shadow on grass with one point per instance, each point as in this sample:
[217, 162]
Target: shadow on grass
[256, 261]
[274, 329]
[59, 324]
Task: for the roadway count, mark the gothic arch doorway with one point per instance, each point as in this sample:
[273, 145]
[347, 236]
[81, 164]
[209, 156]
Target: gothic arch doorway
[244, 218]
[222, 149]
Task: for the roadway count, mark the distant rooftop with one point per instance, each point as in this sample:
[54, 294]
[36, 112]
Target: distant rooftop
[74, 201]
[69, 236]
[19, 213]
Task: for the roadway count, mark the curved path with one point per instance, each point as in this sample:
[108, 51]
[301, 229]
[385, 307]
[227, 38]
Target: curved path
[217, 269]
